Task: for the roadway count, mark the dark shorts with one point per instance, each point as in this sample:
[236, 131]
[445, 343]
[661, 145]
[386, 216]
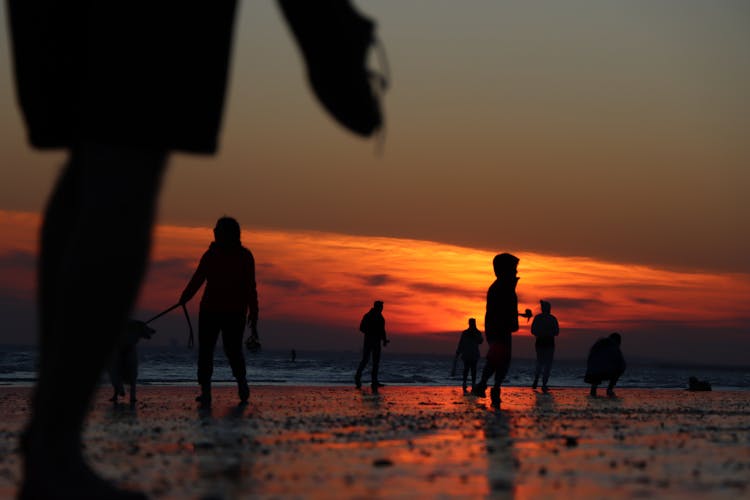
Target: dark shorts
[150, 74]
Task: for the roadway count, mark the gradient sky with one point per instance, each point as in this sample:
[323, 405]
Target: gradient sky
[602, 139]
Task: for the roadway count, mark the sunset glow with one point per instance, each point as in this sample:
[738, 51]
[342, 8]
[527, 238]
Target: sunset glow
[329, 280]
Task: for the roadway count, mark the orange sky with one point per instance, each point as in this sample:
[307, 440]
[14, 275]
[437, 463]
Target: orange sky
[319, 284]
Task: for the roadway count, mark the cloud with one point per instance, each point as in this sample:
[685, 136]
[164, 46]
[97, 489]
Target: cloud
[376, 279]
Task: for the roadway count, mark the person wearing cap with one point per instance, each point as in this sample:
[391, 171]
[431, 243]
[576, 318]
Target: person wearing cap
[500, 321]
[373, 327]
[545, 329]
[605, 362]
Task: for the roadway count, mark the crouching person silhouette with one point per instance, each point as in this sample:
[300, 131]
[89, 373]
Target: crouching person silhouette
[229, 301]
[605, 362]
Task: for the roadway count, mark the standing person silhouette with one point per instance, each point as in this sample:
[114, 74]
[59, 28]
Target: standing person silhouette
[500, 321]
[468, 349]
[229, 301]
[373, 327]
[545, 329]
[119, 87]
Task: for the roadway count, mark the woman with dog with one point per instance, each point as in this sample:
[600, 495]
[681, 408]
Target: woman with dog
[230, 300]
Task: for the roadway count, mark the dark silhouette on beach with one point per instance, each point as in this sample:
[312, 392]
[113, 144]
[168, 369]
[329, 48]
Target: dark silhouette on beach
[229, 301]
[545, 329]
[468, 350]
[696, 385]
[294, 355]
[120, 88]
[124, 366]
[373, 328]
[500, 321]
[605, 362]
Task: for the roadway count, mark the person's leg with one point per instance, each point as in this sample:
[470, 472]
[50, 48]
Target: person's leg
[233, 329]
[95, 240]
[375, 383]
[537, 367]
[549, 355]
[467, 367]
[208, 333]
[611, 387]
[362, 364]
[473, 368]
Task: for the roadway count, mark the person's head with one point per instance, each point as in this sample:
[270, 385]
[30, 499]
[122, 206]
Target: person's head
[378, 305]
[616, 338]
[505, 264]
[472, 322]
[546, 306]
[227, 231]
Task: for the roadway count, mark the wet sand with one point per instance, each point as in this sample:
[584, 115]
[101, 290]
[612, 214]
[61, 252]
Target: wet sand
[411, 442]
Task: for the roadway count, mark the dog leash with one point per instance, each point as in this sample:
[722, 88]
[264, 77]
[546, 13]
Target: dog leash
[187, 317]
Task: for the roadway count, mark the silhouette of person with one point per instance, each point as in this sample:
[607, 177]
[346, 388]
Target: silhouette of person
[229, 301]
[500, 321]
[545, 329]
[373, 327]
[605, 362]
[119, 104]
[468, 349]
[294, 355]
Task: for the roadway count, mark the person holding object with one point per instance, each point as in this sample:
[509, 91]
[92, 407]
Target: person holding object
[119, 104]
[545, 328]
[500, 321]
[373, 327]
[229, 301]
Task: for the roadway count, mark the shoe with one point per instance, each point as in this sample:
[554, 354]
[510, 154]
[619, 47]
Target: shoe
[611, 393]
[357, 382]
[495, 396]
[545, 389]
[592, 392]
[533, 386]
[205, 396]
[243, 391]
[479, 390]
[379, 384]
[335, 40]
[375, 389]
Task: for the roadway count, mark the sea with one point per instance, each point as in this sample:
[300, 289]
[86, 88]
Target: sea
[177, 366]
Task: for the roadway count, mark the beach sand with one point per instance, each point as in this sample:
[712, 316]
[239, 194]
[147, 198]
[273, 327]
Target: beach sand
[411, 442]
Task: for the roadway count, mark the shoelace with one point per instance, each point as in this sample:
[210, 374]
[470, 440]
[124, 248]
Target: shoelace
[379, 81]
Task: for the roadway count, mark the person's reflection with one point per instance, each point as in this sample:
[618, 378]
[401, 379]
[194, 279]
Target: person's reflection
[500, 460]
[223, 457]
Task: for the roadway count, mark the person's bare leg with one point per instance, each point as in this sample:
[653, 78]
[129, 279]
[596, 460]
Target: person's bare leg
[95, 241]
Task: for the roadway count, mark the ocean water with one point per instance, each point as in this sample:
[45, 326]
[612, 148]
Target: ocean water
[177, 365]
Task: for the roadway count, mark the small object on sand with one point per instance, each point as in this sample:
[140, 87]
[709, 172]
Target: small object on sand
[382, 462]
[571, 441]
[698, 385]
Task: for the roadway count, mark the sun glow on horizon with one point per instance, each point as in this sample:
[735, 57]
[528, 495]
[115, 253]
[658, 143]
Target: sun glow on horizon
[428, 287]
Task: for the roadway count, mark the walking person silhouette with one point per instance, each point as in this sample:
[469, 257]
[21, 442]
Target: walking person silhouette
[468, 349]
[500, 321]
[120, 87]
[373, 327]
[229, 301]
[545, 328]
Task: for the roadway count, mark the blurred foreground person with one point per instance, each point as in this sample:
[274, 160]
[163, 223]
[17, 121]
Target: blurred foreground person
[120, 86]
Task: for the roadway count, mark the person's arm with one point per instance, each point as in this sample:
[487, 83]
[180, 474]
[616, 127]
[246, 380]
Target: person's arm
[555, 326]
[195, 282]
[252, 298]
